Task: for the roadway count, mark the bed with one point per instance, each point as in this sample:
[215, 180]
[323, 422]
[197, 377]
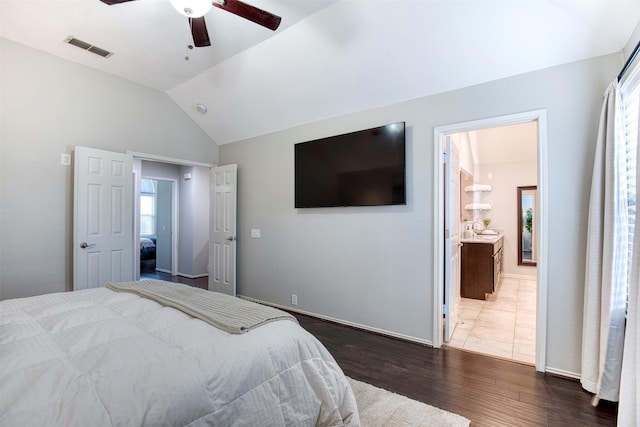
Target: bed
[105, 357]
[147, 248]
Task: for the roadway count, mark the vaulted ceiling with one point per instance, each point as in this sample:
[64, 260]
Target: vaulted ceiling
[328, 58]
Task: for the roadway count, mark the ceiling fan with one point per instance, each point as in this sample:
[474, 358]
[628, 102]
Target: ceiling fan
[195, 10]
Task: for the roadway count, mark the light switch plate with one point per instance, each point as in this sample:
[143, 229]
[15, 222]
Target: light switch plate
[65, 159]
[255, 233]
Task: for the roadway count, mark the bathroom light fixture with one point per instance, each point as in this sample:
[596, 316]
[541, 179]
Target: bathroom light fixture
[192, 8]
[202, 109]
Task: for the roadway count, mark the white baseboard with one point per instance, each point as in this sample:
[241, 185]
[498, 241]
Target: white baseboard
[343, 322]
[162, 270]
[549, 370]
[562, 373]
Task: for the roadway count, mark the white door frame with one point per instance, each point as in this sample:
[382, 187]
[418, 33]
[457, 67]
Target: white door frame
[539, 116]
[170, 160]
[137, 157]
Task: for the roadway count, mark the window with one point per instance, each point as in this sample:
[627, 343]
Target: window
[630, 95]
[147, 207]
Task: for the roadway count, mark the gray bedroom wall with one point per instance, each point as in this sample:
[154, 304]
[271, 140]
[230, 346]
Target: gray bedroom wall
[164, 220]
[201, 180]
[193, 221]
[373, 266]
[506, 177]
[185, 222]
[50, 105]
[160, 170]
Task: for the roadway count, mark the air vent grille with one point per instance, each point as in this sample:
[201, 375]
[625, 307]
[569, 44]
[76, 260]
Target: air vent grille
[88, 47]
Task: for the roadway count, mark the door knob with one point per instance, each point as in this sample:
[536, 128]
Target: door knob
[231, 238]
[84, 245]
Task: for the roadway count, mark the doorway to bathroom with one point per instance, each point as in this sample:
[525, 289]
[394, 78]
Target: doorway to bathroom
[492, 309]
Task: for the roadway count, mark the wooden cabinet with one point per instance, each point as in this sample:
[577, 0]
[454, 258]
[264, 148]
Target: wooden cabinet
[481, 264]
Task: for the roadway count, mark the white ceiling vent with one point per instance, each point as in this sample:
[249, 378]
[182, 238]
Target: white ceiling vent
[88, 47]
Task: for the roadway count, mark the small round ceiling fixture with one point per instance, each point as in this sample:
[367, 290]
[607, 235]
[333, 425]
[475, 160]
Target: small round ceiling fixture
[202, 109]
[192, 8]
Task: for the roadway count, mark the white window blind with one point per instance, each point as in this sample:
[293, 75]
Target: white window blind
[630, 94]
[147, 207]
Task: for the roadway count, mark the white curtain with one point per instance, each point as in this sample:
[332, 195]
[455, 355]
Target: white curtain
[629, 407]
[607, 259]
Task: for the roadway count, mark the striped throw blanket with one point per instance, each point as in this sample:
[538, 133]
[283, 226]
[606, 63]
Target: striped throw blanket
[231, 314]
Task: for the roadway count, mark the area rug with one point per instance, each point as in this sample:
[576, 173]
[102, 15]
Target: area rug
[382, 408]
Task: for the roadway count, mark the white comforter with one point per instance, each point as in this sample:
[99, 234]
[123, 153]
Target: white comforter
[101, 358]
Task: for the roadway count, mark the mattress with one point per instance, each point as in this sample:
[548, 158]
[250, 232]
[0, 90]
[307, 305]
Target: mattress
[96, 357]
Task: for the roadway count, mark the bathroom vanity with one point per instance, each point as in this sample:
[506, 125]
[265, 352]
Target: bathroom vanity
[481, 265]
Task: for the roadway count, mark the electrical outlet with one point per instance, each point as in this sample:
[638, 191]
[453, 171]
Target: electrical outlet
[294, 299]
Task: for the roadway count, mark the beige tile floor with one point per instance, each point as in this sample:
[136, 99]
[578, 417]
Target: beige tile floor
[503, 325]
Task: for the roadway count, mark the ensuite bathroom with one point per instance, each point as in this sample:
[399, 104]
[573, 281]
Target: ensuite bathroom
[496, 199]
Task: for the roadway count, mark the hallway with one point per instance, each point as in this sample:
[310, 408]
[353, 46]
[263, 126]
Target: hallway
[503, 325]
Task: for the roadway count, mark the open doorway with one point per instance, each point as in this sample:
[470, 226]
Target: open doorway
[158, 214]
[496, 312]
[490, 208]
[175, 218]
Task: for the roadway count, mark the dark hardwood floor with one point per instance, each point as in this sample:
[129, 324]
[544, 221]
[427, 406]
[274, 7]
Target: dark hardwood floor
[490, 392]
[200, 282]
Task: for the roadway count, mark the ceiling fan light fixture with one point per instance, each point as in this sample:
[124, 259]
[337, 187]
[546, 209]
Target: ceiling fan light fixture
[192, 8]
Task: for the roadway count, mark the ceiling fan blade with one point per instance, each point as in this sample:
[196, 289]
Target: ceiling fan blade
[252, 13]
[111, 2]
[199, 32]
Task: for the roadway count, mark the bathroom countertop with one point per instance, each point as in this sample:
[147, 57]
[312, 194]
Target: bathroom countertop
[483, 238]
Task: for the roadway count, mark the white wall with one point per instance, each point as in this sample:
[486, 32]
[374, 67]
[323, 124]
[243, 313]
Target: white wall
[185, 225]
[463, 144]
[633, 41]
[373, 266]
[201, 221]
[193, 199]
[164, 225]
[506, 178]
[50, 105]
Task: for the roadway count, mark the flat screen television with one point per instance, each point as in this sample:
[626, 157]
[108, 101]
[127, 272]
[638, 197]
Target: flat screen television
[363, 168]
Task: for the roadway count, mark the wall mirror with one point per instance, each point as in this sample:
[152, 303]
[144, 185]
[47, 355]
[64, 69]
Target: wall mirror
[527, 200]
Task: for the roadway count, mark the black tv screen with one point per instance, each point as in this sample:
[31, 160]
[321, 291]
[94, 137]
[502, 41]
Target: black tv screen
[363, 168]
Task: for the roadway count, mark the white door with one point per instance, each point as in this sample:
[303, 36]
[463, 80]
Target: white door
[452, 239]
[103, 218]
[222, 241]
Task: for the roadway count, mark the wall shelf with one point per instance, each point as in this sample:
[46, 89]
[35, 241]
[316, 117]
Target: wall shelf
[477, 206]
[477, 187]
